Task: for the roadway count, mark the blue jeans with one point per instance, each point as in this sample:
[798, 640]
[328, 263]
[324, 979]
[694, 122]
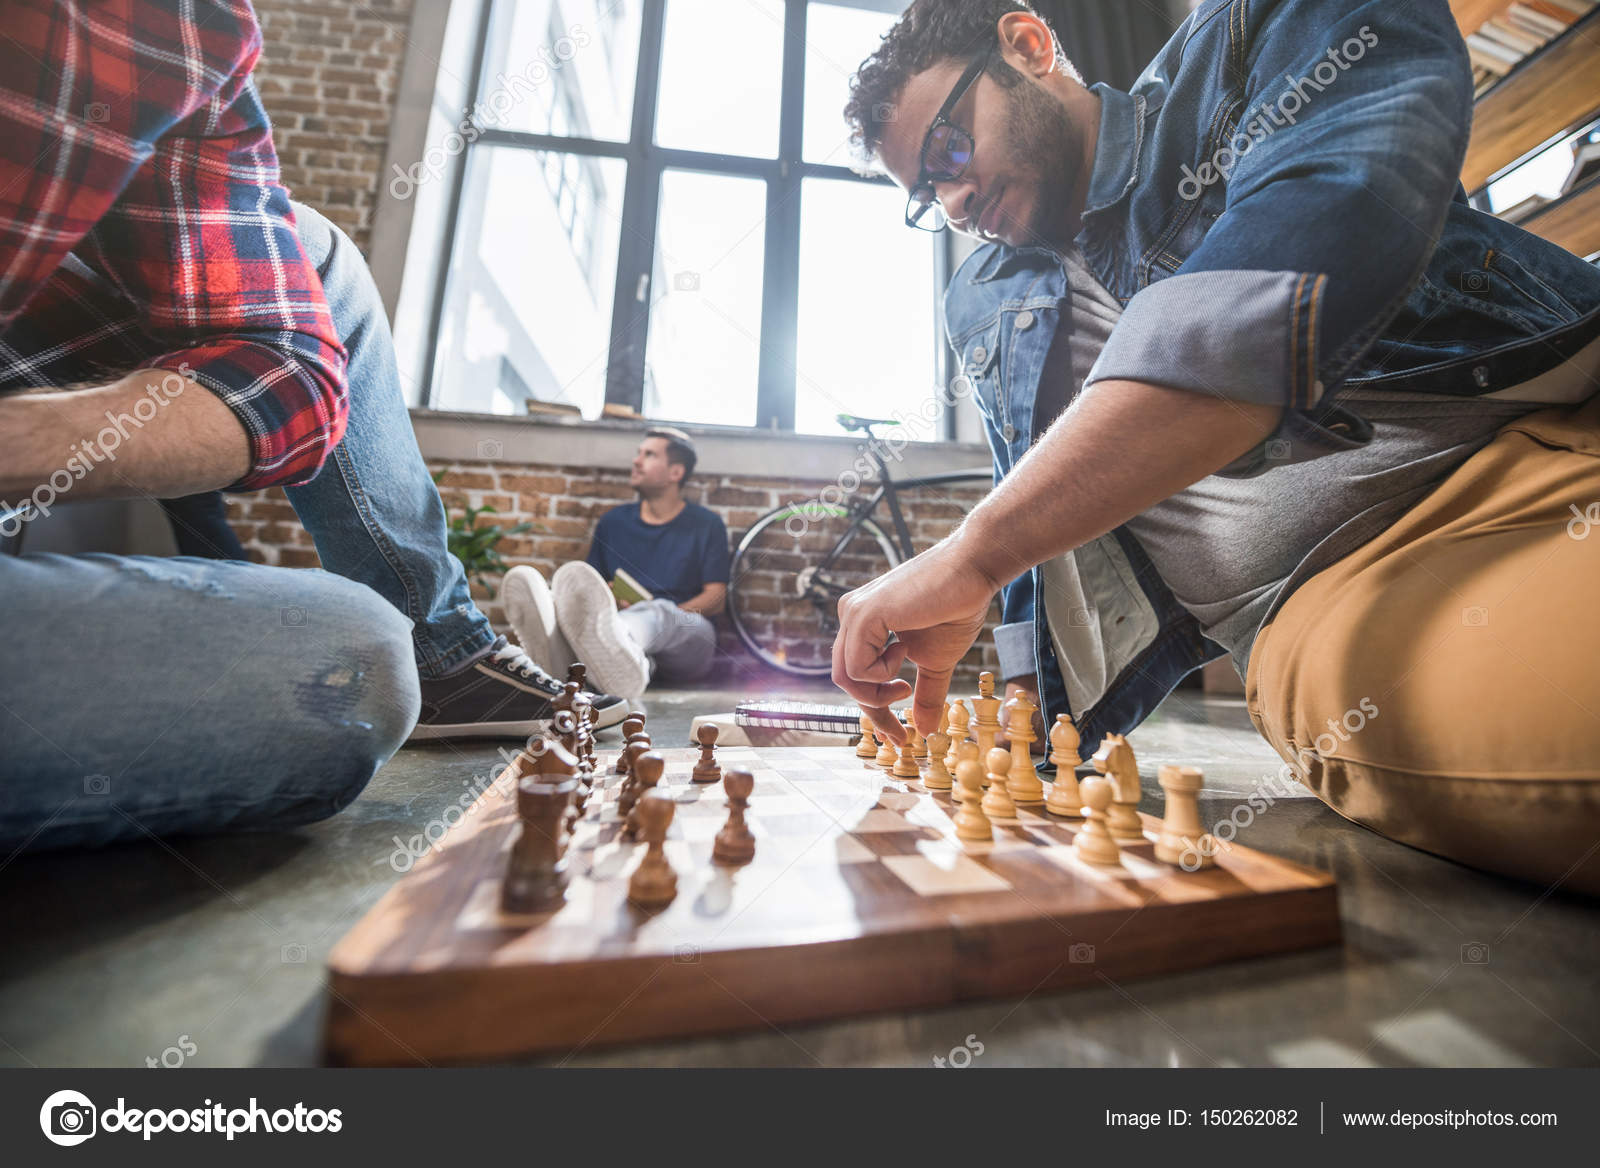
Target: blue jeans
[146, 696]
[374, 512]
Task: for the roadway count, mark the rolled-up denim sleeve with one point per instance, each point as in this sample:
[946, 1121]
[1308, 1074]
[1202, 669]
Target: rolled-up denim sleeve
[1013, 636]
[1338, 180]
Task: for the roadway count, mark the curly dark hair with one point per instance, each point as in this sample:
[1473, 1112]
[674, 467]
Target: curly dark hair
[929, 33]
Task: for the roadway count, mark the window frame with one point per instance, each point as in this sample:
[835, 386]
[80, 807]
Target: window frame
[646, 162]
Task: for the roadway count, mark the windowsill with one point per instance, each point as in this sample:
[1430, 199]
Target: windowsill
[446, 436]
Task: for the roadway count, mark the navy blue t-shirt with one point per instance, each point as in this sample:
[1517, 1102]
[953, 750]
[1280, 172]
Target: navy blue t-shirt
[673, 560]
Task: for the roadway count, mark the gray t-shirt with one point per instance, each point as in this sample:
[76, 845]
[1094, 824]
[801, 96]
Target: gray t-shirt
[1230, 549]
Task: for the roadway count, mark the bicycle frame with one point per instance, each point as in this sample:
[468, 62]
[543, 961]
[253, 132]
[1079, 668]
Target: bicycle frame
[889, 488]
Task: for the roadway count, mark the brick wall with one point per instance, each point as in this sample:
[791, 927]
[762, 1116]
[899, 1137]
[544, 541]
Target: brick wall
[328, 75]
[565, 502]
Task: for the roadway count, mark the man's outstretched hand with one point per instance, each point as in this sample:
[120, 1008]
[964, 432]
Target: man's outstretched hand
[928, 611]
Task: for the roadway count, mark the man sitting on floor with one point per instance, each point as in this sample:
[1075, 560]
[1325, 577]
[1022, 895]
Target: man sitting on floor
[675, 550]
[232, 695]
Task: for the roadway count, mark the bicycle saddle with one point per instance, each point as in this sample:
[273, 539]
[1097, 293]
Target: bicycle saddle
[851, 422]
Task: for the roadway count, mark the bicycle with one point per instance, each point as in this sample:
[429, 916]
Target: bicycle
[794, 563]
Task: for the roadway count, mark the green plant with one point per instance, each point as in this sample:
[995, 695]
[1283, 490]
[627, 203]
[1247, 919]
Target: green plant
[477, 547]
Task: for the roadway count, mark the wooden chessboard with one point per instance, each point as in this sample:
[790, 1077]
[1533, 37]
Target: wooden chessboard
[860, 899]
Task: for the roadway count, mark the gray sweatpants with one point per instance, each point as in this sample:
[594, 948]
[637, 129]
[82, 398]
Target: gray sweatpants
[681, 645]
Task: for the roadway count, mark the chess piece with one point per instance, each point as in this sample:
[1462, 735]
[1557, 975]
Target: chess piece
[919, 744]
[887, 754]
[631, 725]
[735, 844]
[1115, 760]
[998, 804]
[536, 870]
[565, 699]
[1183, 839]
[866, 748]
[554, 763]
[1022, 780]
[905, 765]
[629, 793]
[1094, 844]
[578, 674]
[1065, 798]
[707, 770]
[654, 883]
[565, 725]
[647, 770]
[986, 710]
[939, 777]
[971, 822]
[956, 726]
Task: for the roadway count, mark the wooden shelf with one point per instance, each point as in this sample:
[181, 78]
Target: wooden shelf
[1572, 221]
[1553, 90]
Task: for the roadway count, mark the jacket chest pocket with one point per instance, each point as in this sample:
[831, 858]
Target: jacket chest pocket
[980, 362]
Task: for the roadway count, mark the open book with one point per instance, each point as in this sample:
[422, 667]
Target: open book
[627, 590]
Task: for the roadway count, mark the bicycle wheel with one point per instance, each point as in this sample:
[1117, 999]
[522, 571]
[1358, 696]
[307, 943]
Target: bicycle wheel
[783, 597]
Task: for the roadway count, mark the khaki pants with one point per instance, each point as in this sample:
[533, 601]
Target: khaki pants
[1442, 684]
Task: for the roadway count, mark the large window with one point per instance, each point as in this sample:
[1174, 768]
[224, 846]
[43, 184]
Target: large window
[651, 206]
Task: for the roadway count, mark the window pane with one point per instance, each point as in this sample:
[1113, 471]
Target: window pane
[528, 307]
[838, 39]
[721, 75]
[704, 354]
[867, 302]
[561, 68]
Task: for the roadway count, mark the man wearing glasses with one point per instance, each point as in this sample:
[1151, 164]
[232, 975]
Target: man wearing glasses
[1259, 383]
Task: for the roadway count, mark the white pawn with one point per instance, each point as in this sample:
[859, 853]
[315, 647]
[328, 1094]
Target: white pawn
[939, 777]
[971, 822]
[998, 804]
[1094, 844]
[865, 748]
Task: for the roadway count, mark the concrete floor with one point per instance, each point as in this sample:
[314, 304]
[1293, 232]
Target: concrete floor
[210, 951]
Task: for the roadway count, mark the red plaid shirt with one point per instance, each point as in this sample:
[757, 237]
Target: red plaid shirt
[142, 224]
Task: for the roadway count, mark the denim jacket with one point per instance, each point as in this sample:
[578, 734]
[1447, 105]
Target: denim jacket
[1276, 204]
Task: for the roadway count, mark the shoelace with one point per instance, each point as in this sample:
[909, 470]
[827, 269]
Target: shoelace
[514, 657]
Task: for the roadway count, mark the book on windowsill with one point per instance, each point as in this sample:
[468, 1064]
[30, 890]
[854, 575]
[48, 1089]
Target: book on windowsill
[537, 408]
[627, 590]
[621, 412]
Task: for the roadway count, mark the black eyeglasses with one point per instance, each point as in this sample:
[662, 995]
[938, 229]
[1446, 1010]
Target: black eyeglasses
[946, 153]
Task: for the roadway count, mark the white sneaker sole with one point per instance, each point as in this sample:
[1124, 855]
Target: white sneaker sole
[531, 612]
[587, 614]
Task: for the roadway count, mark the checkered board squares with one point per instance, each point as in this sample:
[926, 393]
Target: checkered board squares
[860, 898]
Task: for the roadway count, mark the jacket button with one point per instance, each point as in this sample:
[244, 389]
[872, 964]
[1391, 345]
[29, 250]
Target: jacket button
[1025, 320]
[980, 355]
[1010, 432]
[1481, 376]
